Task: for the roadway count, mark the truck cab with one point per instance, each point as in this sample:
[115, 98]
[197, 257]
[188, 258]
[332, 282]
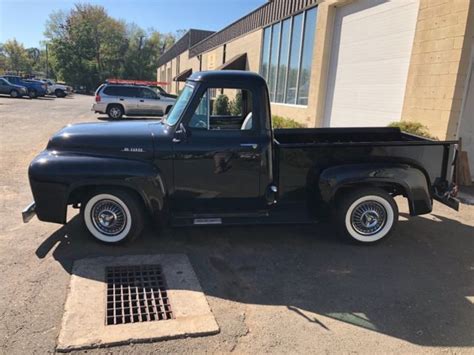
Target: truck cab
[238, 134]
[216, 160]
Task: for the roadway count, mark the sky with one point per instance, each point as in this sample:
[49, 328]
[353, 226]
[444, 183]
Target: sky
[25, 19]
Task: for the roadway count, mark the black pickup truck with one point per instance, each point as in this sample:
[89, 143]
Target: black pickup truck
[205, 165]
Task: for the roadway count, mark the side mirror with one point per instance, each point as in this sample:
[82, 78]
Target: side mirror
[158, 97]
[180, 134]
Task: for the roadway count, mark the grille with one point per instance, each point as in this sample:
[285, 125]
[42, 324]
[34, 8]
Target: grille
[136, 293]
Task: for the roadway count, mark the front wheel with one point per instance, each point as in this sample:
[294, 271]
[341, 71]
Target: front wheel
[32, 94]
[14, 94]
[367, 215]
[113, 216]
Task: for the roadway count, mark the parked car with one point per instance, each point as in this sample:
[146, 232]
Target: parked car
[200, 168]
[56, 89]
[13, 90]
[132, 100]
[35, 88]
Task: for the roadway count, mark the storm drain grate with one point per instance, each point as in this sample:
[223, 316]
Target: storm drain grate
[136, 293]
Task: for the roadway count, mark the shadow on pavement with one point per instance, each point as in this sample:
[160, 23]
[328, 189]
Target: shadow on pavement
[413, 287]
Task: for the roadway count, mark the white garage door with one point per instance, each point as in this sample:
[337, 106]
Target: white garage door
[371, 48]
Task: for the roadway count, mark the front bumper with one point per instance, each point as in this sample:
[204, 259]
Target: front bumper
[29, 212]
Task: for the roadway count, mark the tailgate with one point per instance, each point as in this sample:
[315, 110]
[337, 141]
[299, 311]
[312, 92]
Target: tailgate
[445, 188]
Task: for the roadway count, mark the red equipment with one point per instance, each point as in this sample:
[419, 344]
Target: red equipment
[137, 82]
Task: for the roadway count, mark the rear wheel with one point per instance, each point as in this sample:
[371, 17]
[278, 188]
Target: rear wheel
[367, 215]
[115, 112]
[113, 216]
[14, 93]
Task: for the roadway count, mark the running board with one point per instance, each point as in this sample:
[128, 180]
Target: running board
[256, 218]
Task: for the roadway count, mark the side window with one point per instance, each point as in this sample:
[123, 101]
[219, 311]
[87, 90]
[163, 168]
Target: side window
[200, 119]
[129, 91]
[111, 90]
[224, 109]
[148, 94]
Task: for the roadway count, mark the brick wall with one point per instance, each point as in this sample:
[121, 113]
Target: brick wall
[438, 65]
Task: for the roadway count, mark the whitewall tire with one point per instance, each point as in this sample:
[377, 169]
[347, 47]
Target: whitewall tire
[113, 217]
[367, 216]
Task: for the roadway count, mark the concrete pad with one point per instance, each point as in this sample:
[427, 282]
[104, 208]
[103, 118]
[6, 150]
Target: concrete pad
[83, 325]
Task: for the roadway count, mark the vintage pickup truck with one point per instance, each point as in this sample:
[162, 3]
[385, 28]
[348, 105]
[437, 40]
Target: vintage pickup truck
[205, 165]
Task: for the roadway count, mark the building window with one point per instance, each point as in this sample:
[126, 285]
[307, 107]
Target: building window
[286, 57]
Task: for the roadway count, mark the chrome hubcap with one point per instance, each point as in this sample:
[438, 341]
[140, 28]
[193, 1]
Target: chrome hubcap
[115, 112]
[369, 217]
[109, 217]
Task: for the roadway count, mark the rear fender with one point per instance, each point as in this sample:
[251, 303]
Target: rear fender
[412, 181]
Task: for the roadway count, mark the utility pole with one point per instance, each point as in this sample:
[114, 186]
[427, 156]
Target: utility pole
[47, 69]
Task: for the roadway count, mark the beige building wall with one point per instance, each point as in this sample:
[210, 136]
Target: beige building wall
[250, 44]
[438, 66]
[213, 58]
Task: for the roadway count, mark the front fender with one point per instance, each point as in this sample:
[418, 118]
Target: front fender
[55, 177]
[412, 180]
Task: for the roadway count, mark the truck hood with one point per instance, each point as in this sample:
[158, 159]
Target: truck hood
[134, 139]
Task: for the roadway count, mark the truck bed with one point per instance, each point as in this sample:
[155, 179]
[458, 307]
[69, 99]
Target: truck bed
[303, 154]
[313, 136]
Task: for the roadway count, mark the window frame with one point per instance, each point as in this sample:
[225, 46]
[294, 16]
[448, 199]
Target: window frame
[301, 37]
[200, 92]
[153, 93]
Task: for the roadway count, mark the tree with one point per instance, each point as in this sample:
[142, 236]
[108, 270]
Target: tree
[15, 57]
[88, 46]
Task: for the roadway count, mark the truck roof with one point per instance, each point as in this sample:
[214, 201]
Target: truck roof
[227, 75]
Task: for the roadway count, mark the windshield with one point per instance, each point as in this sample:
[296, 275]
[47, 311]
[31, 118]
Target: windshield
[180, 105]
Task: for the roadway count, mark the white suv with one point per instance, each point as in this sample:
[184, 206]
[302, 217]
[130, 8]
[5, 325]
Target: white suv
[131, 100]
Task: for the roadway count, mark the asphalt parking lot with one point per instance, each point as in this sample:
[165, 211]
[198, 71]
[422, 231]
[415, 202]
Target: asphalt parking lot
[271, 289]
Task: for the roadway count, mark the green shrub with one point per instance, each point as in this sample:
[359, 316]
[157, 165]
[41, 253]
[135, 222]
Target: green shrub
[221, 105]
[413, 128]
[283, 122]
[235, 105]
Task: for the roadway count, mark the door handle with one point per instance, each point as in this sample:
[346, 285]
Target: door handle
[121, 99]
[253, 145]
[142, 100]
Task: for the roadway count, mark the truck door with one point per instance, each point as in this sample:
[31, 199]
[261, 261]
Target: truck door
[217, 165]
